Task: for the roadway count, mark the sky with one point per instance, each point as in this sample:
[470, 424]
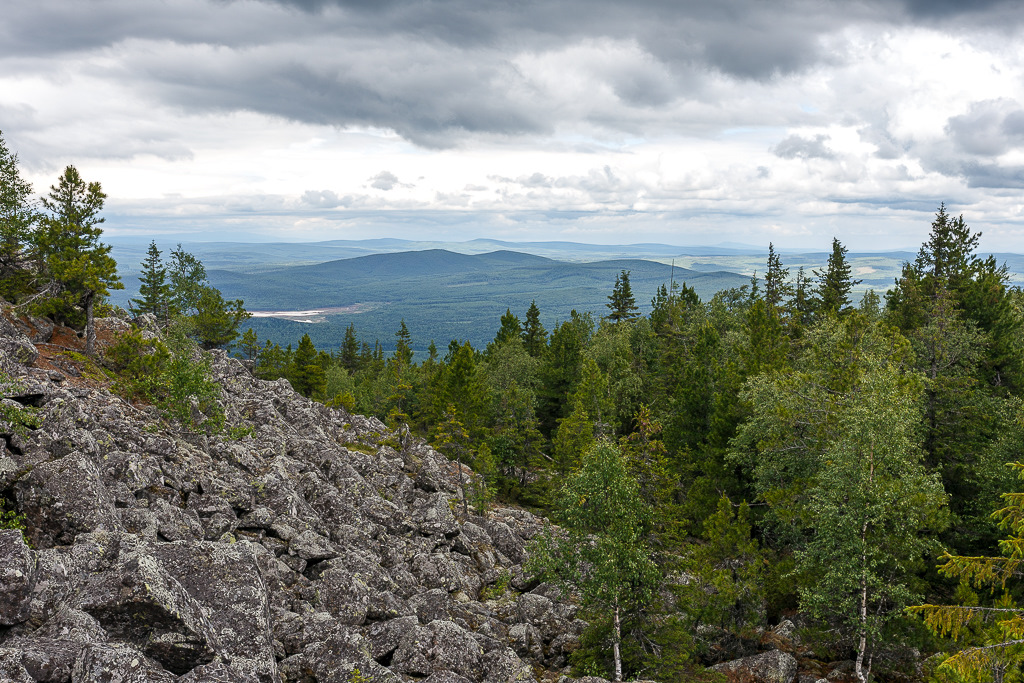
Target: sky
[675, 121]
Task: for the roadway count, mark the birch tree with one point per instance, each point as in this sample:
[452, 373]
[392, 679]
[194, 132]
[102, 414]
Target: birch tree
[602, 556]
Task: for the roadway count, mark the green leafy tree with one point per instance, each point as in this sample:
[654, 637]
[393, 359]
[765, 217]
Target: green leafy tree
[621, 303]
[834, 452]
[154, 290]
[188, 282]
[76, 267]
[602, 555]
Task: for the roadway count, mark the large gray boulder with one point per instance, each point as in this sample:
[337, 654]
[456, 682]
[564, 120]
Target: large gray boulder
[773, 666]
[17, 577]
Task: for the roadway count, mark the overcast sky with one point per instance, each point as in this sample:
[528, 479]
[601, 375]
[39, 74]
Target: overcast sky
[677, 121]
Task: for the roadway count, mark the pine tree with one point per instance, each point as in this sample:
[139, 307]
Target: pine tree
[17, 217]
[76, 267]
[621, 302]
[154, 290]
[250, 344]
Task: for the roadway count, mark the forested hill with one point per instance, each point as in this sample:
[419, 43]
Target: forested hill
[442, 295]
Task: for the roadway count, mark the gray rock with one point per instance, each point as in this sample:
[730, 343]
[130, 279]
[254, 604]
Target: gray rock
[17, 577]
[767, 667]
[63, 498]
[138, 602]
[117, 664]
[227, 582]
[11, 668]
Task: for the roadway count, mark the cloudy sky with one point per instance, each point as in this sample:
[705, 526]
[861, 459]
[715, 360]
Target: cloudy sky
[678, 121]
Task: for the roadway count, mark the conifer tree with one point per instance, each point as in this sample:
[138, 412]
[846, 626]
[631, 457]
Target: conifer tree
[76, 267]
[250, 344]
[980, 661]
[535, 337]
[349, 355]
[621, 303]
[835, 282]
[403, 344]
[511, 329]
[776, 287]
[17, 217]
[154, 290]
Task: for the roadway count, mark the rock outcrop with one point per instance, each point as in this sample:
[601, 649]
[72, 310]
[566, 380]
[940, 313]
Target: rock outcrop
[302, 543]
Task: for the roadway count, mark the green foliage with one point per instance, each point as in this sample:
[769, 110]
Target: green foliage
[18, 216]
[994, 633]
[154, 290]
[173, 374]
[139, 363]
[621, 302]
[835, 282]
[74, 266]
[10, 519]
[602, 556]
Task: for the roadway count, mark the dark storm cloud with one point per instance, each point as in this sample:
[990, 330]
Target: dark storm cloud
[437, 71]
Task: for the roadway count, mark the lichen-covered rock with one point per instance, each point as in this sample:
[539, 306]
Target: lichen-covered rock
[63, 498]
[117, 664]
[138, 602]
[11, 668]
[773, 666]
[17, 577]
[226, 581]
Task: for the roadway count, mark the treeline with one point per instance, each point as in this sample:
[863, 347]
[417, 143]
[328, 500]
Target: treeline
[826, 451]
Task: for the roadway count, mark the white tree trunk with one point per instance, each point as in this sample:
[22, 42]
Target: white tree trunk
[615, 644]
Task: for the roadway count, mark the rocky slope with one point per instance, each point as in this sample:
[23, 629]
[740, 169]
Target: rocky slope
[302, 544]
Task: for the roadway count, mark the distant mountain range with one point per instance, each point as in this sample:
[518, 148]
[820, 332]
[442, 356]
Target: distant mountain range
[459, 290]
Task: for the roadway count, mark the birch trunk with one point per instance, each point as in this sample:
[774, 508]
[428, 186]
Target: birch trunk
[615, 644]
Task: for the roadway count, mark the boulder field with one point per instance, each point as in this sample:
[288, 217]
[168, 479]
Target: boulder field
[300, 543]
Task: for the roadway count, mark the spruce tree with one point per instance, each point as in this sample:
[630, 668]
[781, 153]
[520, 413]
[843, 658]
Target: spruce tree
[835, 283]
[349, 355]
[535, 337]
[154, 290]
[776, 287]
[511, 329]
[621, 302]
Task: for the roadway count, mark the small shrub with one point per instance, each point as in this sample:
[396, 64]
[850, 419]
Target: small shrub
[9, 519]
